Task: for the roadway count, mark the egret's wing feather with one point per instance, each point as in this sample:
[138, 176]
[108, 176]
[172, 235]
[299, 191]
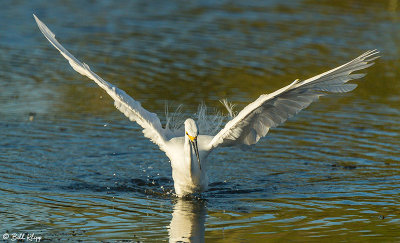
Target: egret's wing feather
[271, 110]
[151, 124]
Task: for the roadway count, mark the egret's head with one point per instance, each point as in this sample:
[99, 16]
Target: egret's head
[191, 129]
[192, 132]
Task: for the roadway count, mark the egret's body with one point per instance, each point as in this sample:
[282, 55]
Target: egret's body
[187, 175]
[187, 150]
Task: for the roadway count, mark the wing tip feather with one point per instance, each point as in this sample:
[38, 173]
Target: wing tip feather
[44, 29]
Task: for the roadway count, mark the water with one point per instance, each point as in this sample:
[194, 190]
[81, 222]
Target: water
[73, 168]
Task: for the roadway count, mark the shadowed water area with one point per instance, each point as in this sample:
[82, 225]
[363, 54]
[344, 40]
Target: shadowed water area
[73, 168]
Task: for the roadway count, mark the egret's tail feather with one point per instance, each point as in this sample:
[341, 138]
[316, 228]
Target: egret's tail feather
[208, 124]
[229, 107]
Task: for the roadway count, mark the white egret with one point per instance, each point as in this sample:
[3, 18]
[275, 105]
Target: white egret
[188, 150]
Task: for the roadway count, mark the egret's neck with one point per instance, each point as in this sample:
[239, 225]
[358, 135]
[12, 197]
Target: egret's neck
[187, 150]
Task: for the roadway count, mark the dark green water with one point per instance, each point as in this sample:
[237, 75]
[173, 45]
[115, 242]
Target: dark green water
[73, 168]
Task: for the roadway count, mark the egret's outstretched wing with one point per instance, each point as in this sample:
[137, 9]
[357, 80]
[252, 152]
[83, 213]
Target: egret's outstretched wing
[271, 110]
[151, 124]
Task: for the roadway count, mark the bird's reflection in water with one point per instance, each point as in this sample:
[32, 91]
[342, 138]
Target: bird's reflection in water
[187, 223]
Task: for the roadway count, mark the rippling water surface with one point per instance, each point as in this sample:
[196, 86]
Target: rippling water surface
[73, 168]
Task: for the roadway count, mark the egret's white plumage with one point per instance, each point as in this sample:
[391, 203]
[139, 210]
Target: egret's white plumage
[187, 150]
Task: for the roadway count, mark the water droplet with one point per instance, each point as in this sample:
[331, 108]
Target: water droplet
[32, 116]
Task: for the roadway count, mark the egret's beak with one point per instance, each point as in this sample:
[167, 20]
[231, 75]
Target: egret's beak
[193, 140]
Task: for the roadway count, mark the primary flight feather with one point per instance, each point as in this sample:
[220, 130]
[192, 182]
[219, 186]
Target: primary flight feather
[188, 152]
